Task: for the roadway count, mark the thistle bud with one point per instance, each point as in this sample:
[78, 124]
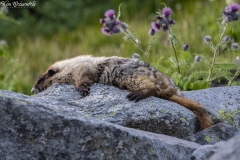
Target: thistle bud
[234, 46]
[185, 47]
[226, 39]
[207, 39]
[197, 58]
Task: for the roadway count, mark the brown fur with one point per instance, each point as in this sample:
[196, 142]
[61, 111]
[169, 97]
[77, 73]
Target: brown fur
[136, 76]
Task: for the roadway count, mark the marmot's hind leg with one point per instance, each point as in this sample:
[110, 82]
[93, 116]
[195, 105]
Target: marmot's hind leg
[141, 87]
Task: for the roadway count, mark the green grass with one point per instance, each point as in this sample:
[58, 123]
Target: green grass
[34, 55]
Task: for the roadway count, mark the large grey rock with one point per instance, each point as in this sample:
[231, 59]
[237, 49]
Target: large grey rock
[214, 134]
[152, 114]
[35, 128]
[229, 151]
[110, 104]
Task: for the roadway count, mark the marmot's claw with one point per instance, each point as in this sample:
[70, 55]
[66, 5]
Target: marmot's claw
[84, 89]
[135, 96]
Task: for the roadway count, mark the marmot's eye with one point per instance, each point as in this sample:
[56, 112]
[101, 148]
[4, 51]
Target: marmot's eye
[51, 72]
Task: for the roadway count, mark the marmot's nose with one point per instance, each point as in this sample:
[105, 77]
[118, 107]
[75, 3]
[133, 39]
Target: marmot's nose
[34, 90]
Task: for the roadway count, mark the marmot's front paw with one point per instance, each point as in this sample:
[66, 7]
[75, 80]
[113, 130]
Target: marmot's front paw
[84, 89]
[135, 96]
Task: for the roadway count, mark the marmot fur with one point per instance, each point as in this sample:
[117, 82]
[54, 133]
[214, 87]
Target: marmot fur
[132, 74]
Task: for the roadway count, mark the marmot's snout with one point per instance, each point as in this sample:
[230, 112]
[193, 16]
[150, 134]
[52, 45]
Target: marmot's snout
[34, 90]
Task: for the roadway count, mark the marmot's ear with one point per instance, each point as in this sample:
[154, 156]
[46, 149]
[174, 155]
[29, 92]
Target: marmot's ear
[52, 72]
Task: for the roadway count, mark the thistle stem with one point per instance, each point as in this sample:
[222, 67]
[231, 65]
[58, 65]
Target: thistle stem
[230, 82]
[215, 54]
[175, 53]
[136, 43]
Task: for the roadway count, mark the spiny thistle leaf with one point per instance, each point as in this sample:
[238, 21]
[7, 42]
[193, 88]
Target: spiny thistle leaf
[226, 74]
[221, 73]
[199, 73]
[225, 65]
[235, 83]
[173, 61]
[174, 39]
[211, 46]
[199, 84]
[215, 76]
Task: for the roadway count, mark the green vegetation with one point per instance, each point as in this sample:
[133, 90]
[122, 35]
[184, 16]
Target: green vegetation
[208, 139]
[227, 116]
[57, 30]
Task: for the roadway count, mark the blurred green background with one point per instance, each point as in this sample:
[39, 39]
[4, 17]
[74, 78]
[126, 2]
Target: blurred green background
[59, 29]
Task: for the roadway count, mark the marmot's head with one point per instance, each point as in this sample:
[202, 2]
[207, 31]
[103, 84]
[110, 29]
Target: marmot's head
[57, 73]
[69, 71]
[44, 81]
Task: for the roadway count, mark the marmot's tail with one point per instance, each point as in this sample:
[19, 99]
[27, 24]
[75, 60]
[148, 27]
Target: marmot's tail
[196, 108]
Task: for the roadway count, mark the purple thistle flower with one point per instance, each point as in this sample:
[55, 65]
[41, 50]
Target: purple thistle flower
[165, 27]
[105, 31]
[163, 21]
[207, 39]
[231, 13]
[185, 47]
[234, 7]
[228, 9]
[116, 23]
[110, 13]
[172, 21]
[116, 30]
[151, 32]
[166, 12]
[123, 25]
[234, 46]
[155, 26]
[110, 24]
[102, 21]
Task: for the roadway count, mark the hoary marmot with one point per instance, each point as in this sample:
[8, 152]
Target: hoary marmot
[131, 74]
